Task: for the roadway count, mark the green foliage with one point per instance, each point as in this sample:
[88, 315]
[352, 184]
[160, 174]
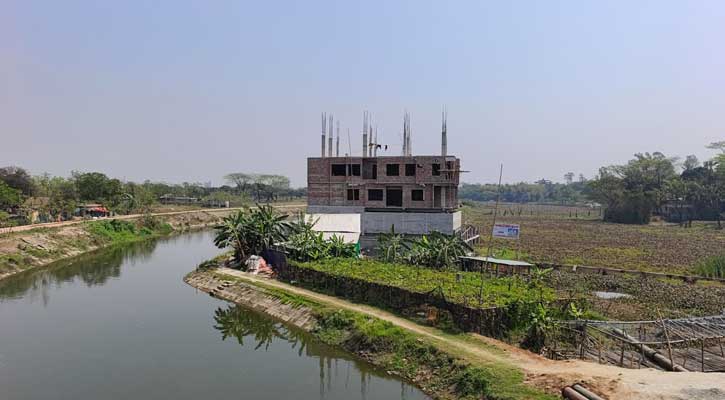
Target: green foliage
[262, 187]
[395, 349]
[457, 287]
[436, 250]
[119, 231]
[540, 326]
[116, 231]
[632, 191]
[474, 381]
[95, 186]
[712, 267]
[392, 246]
[542, 191]
[17, 178]
[249, 232]
[337, 247]
[9, 197]
[306, 244]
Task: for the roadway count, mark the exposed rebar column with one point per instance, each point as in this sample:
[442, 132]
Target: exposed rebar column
[375, 145]
[410, 139]
[370, 138]
[329, 138]
[365, 134]
[405, 134]
[444, 135]
[337, 144]
[324, 122]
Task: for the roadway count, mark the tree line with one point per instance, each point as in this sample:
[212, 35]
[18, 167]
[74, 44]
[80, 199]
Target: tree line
[56, 197]
[654, 184]
[541, 191]
[649, 184]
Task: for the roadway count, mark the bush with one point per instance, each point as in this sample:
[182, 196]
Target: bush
[473, 381]
[712, 267]
[119, 231]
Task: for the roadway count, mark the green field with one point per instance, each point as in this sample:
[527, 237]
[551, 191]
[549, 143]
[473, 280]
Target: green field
[576, 235]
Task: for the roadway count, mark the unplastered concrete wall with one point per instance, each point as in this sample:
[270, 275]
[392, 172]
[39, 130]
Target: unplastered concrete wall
[410, 223]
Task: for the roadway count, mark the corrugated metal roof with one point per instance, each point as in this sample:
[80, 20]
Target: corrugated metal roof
[335, 222]
[498, 261]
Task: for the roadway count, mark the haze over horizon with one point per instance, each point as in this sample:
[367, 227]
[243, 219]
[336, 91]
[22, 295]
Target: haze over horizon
[188, 91]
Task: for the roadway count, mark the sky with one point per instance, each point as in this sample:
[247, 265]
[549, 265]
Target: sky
[188, 91]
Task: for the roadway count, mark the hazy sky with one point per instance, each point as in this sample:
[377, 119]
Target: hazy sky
[189, 91]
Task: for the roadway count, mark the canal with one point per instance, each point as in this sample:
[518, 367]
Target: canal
[121, 324]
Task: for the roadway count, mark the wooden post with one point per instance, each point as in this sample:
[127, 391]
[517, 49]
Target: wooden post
[721, 350]
[702, 355]
[621, 356]
[667, 338]
[599, 352]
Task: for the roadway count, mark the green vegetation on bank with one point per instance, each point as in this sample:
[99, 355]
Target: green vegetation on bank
[438, 370]
[117, 231]
[396, 349]
[457, 287]
[46, 245]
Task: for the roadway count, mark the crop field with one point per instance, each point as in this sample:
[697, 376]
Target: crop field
[576, 235]
[458, 287]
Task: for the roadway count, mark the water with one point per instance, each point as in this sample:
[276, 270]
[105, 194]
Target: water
[121, 324]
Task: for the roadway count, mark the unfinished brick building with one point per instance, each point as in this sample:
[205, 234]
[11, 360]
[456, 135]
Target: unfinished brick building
[416, 194]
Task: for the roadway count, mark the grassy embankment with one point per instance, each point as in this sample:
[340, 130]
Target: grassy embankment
[441, 372]
[29, 249]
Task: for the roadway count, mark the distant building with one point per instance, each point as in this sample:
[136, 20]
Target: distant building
[415, 194]
[92, 211]
[177, 200]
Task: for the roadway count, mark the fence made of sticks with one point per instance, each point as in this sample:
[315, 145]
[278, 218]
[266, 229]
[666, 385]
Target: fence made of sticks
[686, 344]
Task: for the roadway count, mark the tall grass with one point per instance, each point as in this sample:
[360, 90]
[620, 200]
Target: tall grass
[712, 267]
[118, 231]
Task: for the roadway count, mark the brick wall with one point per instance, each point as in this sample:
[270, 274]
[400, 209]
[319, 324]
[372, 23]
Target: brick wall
[325, 189]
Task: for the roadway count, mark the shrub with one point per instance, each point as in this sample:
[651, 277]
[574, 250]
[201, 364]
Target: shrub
[473, 381]
[712, 267]
[250, 232]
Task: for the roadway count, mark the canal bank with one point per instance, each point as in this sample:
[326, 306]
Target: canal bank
[506, 371]
[45, 244]
[120, 323]
[431, 359]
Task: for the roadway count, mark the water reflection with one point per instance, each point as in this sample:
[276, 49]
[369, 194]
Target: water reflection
[93, 269]
[239, 323]
[251, 328]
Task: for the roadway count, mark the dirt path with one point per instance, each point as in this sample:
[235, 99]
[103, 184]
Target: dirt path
[610, 381]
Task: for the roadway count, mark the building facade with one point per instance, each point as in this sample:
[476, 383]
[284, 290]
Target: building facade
[392, 184]
[413, 194]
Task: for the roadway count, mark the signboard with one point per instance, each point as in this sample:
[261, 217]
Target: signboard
[506, 231]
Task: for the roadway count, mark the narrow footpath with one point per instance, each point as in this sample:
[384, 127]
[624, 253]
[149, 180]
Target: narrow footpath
[610, 381]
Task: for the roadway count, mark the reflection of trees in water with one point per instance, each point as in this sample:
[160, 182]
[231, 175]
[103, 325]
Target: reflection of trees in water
[239, 323]
[93, 269]
[260, 331]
